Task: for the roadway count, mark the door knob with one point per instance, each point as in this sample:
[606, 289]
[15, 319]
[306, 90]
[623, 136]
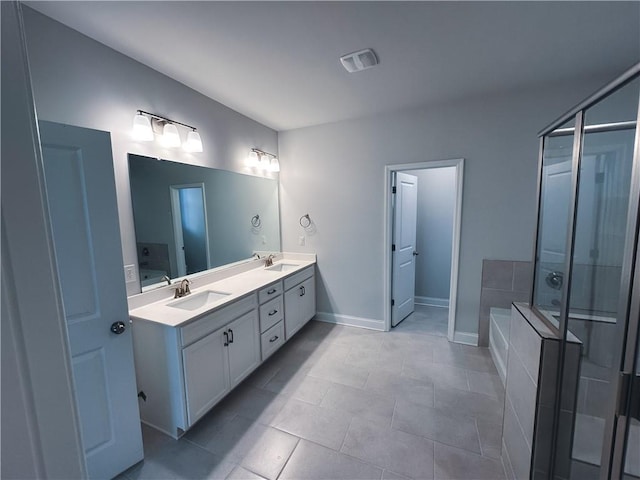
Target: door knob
[118, 327]
[415, 254]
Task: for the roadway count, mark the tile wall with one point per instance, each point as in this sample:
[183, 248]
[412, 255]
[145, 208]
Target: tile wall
[503, 282]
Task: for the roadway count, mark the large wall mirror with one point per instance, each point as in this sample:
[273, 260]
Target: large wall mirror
[190, 218]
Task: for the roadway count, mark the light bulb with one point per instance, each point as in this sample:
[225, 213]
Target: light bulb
[252, 159]
[142, 130]
[274, 166]
[193, 143]
[264, 162]
[170, 135]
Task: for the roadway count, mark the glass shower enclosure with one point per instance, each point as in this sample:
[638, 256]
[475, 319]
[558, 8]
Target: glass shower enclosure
[587, 279]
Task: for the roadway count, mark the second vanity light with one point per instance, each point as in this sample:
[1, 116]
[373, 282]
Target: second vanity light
[264, 160]
[145, 124]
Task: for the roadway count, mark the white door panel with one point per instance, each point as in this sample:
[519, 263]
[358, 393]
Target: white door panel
[404, 239]
[82, 206]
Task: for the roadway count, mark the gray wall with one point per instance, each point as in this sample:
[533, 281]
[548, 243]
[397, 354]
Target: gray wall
[436, 202]
[336, 173]
[79, 81]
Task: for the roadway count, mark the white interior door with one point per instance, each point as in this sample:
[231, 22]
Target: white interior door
[404, 247]
[84, 218]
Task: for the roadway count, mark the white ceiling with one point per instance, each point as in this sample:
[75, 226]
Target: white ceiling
[278, 62]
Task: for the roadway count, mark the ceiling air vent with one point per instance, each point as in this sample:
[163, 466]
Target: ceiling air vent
[360, 60]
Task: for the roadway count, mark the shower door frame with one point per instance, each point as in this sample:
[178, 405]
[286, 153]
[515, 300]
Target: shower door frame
[617, 422]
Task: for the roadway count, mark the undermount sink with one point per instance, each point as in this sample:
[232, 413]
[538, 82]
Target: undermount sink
[282, 267]
[198, 300]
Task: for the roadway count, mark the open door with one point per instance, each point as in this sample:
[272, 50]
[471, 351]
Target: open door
[191, 234]
[81, 194]
[403, 248]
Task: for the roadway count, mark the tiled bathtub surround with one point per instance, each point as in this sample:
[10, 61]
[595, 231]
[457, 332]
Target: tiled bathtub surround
[503, 282]
[530, 397]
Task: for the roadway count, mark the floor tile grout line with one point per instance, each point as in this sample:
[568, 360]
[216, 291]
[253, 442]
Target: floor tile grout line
[288, 459]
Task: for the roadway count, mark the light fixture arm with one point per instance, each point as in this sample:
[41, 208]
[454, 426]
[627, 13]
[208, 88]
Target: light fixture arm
[262, 152]
[160, 117]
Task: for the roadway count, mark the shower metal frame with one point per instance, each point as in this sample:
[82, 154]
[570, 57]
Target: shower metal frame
[617, 424]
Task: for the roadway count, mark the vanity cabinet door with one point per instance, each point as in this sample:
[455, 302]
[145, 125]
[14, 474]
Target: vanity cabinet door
[244, 346]
[299, 306]
[206, 373]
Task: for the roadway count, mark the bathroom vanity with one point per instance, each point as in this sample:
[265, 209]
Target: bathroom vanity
[192, 351]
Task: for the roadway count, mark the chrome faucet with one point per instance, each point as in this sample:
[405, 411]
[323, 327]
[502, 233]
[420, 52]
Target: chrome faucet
[269, 260]
[183, 289]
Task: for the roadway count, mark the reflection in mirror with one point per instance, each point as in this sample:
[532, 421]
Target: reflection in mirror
[190, 218]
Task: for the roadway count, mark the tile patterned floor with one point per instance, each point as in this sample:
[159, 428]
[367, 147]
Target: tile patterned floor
[346, 403]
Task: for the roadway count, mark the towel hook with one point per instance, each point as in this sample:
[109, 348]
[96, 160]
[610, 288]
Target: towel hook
[255, 221]
[305, 221]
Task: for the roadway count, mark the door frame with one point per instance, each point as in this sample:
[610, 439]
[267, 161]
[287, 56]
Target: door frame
[389, 170]
[174, 191]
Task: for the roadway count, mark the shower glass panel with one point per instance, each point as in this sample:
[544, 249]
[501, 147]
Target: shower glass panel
[555, 200]
[600, 233]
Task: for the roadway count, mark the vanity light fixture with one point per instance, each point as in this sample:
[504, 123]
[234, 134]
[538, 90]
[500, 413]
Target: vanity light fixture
[263, 160]
[145, 124]
[142, 130]
[170, 135]
[193, 143]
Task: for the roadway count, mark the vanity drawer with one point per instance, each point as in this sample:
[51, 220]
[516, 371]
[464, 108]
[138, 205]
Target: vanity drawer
[272, 339]
[299, 277]
[269, 292]
[271, 313]
[207, 324]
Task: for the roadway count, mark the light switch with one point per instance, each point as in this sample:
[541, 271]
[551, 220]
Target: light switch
[301, 240]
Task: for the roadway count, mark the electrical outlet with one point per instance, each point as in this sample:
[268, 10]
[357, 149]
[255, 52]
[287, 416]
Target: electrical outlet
[301, 240]
[129, 273]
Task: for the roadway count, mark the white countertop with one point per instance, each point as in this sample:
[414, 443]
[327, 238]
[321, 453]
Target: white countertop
[237, 286]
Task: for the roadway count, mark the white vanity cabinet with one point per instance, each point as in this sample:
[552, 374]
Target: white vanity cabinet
[299, 300]
[184, 371]
[189, 358]
[271, 318]
[218, 362]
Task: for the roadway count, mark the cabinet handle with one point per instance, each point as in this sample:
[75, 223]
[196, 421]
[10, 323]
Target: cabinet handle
[226, 339]
[302, 291]
[273, 312]
[275, 337]
[271, 292]
[231, 333]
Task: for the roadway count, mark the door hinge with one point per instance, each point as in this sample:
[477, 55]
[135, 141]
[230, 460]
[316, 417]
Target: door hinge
[628, 404]
[393, 247]
[393, 190]
[142, 395]
[393, 302]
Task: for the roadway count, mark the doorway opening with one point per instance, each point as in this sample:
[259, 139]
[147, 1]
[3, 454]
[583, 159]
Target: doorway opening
[190, 229]
[422, 242]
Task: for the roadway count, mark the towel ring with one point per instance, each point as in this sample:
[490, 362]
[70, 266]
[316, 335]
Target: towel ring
[255, 221]
[305, 221]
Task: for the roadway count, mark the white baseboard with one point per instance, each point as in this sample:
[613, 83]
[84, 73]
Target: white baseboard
[466, 338]
[350, 321]
[432, 301]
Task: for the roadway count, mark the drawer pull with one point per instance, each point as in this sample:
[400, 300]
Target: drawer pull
[272, 313]
[302, 291]
[231, 336]
[273, 339]
[271, 291]
[226, 339]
